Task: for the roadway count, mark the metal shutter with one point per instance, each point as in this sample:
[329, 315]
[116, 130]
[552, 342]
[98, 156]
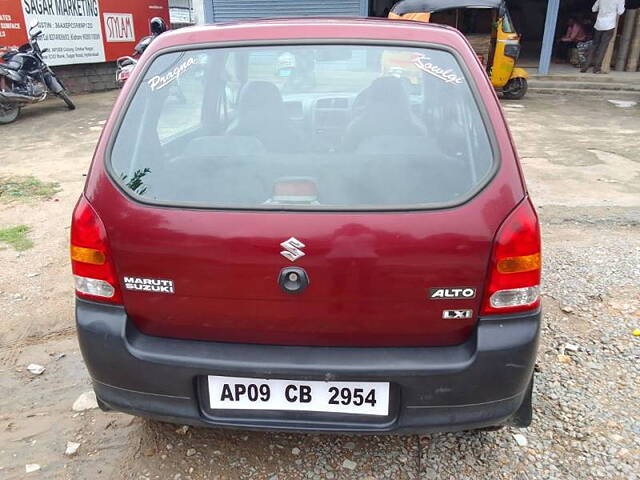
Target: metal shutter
[228, 10]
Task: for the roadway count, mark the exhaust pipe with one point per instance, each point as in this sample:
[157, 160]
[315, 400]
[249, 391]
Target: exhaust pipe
[11, 97]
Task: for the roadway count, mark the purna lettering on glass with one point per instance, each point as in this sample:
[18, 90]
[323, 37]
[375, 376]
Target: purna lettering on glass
[159, 81]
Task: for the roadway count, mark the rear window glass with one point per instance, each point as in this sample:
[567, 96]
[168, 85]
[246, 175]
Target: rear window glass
[311, 127]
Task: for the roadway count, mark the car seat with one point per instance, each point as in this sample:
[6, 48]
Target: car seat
[262, 114]
[387, 111]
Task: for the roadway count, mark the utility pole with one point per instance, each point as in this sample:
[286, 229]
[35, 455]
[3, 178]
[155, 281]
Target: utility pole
[548, 36]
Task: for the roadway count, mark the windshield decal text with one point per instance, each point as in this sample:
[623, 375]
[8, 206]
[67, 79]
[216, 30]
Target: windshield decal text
[447, 75]
[159, 81]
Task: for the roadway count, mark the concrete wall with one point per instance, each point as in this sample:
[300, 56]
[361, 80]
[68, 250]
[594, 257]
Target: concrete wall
[88, 77]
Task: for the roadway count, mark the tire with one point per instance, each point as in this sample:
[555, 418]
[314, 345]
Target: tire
[65, 96]
[523, 416]
[103, 406]
[8, 113]
[515, 89]
[494, 428]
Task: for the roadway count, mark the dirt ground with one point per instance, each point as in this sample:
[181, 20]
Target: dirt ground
[582, 163]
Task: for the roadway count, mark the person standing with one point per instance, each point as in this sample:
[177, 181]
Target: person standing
[608, 12]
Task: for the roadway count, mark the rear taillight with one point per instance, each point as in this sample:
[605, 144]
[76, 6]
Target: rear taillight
[513, 284]
[92, 267]
[122, 76]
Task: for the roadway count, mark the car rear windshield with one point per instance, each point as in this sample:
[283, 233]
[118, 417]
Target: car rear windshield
[347, 127]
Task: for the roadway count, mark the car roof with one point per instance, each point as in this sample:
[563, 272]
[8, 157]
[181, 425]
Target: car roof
[310, 29]
[418, 6]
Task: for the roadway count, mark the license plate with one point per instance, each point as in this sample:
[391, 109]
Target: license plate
[234, 393]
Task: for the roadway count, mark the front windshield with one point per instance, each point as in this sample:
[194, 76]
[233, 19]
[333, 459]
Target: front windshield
[507, 24]
[324, 127]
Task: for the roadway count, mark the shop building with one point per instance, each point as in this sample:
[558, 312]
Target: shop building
[83, 37]
[540, 22]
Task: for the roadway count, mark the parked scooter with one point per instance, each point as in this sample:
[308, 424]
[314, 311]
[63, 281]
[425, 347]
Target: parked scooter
[126, 64]
[26, 78]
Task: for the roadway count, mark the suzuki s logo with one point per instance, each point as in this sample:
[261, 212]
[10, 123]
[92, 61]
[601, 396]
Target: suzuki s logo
[292, 249]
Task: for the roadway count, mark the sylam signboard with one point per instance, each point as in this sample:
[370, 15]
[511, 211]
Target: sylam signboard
[118, 27]
[80, 31]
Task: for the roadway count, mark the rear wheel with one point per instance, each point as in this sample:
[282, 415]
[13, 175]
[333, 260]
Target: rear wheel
[515, 89]
[103, 406]
[523, 416]
[8, 113]
[494, 428]
[65, 96]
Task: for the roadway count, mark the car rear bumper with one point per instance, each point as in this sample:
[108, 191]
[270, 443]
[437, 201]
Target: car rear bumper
[477, 384]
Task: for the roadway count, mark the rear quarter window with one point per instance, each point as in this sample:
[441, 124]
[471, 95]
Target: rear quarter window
[351, 127]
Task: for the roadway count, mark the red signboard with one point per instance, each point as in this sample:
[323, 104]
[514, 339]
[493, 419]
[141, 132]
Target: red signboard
[12, 31]
[80, 31]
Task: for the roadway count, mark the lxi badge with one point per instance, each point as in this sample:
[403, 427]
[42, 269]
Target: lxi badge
[457, 314]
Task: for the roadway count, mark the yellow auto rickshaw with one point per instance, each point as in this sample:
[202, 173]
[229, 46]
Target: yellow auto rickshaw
[489, 29]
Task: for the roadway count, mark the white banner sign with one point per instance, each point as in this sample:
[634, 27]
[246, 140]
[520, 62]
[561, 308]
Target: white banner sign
[71, 29]
[119, 27]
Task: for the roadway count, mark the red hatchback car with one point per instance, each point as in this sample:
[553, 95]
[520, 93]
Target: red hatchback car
[309, 224]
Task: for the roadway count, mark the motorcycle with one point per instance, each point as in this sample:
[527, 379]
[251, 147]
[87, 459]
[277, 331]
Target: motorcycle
[126, 64]
[124, 67]
[25, 78]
